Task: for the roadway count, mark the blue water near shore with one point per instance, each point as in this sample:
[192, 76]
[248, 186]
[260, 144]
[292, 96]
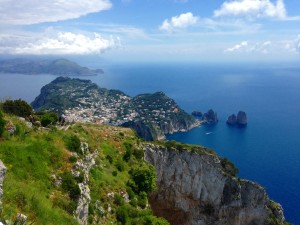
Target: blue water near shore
[266, 151]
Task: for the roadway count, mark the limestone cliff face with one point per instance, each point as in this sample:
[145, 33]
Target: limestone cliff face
[194, 189]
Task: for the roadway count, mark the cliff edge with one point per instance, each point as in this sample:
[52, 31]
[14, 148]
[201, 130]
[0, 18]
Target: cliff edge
[196, 187]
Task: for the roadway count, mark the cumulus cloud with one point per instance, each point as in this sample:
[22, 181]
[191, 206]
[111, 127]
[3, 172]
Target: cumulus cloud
[179, 22]
[63, 44]
[36, 11]
[253, 9]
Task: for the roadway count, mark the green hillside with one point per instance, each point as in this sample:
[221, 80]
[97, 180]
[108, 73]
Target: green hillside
[41, 180]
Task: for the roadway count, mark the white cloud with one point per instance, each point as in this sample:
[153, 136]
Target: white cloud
[238, 47]
[279, 47]
[252, 9]
[38, 11]
[179, 22]
[63, 43]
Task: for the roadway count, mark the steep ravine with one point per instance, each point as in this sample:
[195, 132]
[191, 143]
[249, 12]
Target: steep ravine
[194, 189]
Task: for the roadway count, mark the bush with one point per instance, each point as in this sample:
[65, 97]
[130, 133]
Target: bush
[69, 185]
[49, 118]
[17, 107]
[118, 200]
[153, 220]
[2, 124]
[143, 179]
[138, 154]
[120, 165]
[73, 144]
[122, 215]
[142, 200]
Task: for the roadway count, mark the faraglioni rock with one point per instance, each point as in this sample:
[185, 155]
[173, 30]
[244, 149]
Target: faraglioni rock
[240, 120]
[196, 188]
[231, 120]
[210, 117]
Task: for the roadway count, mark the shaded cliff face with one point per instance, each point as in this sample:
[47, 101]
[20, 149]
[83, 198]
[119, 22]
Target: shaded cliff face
[194, 189]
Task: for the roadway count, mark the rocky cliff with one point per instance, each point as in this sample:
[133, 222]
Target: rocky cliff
[195, 188]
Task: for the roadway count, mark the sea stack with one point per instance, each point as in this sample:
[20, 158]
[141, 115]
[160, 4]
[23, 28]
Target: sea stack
[210, 117]
[240, 120]
[231, 120]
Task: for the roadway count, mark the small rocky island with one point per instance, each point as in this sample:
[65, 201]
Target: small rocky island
[55, 67]
[240, 120]
[210, 117]
[152, 116]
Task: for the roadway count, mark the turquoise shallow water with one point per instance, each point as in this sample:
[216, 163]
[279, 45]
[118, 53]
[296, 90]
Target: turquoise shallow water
[267, 151]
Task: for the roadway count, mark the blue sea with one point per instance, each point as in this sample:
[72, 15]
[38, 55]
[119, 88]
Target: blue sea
[266, 151]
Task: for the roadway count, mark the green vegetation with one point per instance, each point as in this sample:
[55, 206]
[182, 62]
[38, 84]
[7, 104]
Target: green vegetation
[229, 167]
[2, 124]
[39, 181]
[49, 118]
[17, 107]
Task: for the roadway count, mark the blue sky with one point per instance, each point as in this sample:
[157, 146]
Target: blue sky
[152, 30]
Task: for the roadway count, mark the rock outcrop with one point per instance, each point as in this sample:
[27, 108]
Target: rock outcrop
[210, 117]
[240, 120]
[231, 120]
[195, 189]
[2, 174]
[84, 166]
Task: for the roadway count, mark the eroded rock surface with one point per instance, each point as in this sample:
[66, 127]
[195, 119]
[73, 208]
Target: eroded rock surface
[194, 189]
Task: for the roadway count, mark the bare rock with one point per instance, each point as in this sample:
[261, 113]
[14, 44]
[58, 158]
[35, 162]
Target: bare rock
[210, 117]
[194, 189]
[2, 174]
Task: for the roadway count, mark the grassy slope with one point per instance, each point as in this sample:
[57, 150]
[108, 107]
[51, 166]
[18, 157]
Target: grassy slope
[33, 156]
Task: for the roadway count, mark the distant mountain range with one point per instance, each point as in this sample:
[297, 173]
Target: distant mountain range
[56, 67]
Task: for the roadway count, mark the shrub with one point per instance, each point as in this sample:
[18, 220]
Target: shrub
[49, 118]
[143, 179]
[2, 124]
[17, 107]
[122, 215]
[142, 200]
[120, 165]
[69, 185]
[138, 154]
[118, 200]
[73, 144]
[153, 220]
[114, 173]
